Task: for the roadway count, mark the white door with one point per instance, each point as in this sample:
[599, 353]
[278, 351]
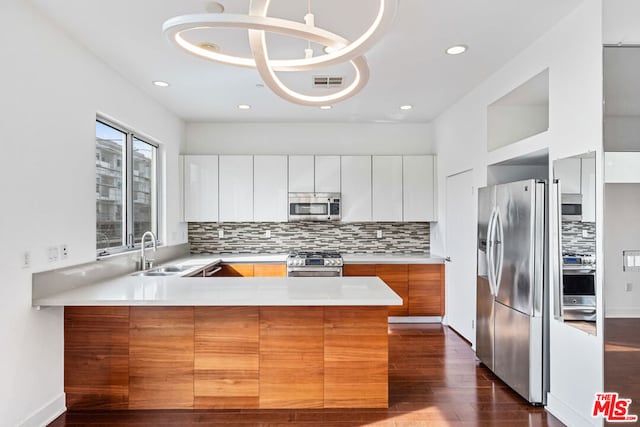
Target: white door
[236, 188]
[270, 188]
[387, 188]
[356, 188]
[461, 232]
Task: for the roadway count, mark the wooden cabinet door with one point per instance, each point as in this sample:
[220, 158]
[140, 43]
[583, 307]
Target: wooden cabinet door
[96, 357]
[269, 270]
[396, 276]
[161, 358]
[226, 361]
[235, 270]
[426, 290]
[291, 357]
[359, 270]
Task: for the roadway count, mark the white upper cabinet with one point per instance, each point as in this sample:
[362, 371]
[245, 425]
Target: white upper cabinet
[236, 188]
[200, 186]
[356, 188]
[301, 174]
[387, 188]
[327, 174]
[270, 188]
[568, 173]
[418, 188]
[588, 190]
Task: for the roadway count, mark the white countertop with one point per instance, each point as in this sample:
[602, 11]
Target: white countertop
[348, 258]
[390, 259]
[228, 291]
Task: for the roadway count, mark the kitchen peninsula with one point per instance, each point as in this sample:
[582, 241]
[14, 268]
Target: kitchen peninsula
[139, 342]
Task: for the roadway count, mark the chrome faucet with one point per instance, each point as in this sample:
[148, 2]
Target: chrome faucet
[144, 262]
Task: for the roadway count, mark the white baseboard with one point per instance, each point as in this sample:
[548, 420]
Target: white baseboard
[47, 413]
[415, 319]
[568, 415]
[622, 312]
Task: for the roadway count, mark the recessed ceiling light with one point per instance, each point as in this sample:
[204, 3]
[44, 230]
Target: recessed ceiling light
[211, 47]
[244, 106]
[456, 50]
[326, 107]
[406, 107]
[214, 7]
[160, 83]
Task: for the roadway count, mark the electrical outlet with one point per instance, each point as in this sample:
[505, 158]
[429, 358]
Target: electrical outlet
[64, 251]
[267, 234]
[473, 324]
[52, 253]
[379, 234]
[220, 234]
[26, 259]
[628, 287]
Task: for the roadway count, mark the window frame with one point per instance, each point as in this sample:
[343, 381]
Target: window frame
[128, 190]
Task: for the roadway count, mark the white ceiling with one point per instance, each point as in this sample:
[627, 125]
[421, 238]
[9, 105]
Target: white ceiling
[408, 66]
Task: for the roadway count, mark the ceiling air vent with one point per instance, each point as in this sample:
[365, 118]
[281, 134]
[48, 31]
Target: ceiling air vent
[327, 81]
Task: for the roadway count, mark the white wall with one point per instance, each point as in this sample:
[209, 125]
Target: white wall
[51, 91]
[622, 203]
[573, 53]
[308, 138]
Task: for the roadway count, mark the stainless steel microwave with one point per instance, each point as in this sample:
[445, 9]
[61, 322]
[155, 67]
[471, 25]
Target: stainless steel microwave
[572, 207]
[314, 207]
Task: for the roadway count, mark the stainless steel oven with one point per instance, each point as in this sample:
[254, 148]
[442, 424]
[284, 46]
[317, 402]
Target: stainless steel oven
[314, 207]
[314, 264]
[579, 288]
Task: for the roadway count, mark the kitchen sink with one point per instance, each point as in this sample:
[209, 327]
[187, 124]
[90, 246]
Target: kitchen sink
[154, 273]
[168, 270]
[172, 268]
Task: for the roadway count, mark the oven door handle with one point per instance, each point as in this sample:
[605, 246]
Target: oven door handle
[578, 271]
[581, 308]
[315, 269]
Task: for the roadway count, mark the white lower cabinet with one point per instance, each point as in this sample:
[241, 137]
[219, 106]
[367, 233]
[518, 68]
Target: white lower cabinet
[387, 188]
[356, 188]
[200, 188]
[270, 189]
[236, 188]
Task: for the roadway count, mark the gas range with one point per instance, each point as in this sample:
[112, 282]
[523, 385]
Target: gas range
[314, 264]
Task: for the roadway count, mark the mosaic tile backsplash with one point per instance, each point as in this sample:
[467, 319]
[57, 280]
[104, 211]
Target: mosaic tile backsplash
[354, 238]
[572, 239]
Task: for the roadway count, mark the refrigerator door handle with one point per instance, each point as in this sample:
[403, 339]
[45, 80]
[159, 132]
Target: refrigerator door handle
[500, 246]
[491, 271]
[556, 245]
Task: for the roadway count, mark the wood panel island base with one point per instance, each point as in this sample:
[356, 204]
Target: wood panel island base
[225, 357]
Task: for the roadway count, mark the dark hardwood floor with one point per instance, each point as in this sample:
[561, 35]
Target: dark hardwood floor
[622, 360]
[434, 380]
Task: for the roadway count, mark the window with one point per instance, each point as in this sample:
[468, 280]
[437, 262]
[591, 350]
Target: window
[126, 187]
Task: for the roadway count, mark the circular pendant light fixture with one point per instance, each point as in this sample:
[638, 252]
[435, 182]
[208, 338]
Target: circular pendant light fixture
[339, 50]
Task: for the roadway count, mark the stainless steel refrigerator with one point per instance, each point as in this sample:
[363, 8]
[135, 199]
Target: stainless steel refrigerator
[511, 313]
